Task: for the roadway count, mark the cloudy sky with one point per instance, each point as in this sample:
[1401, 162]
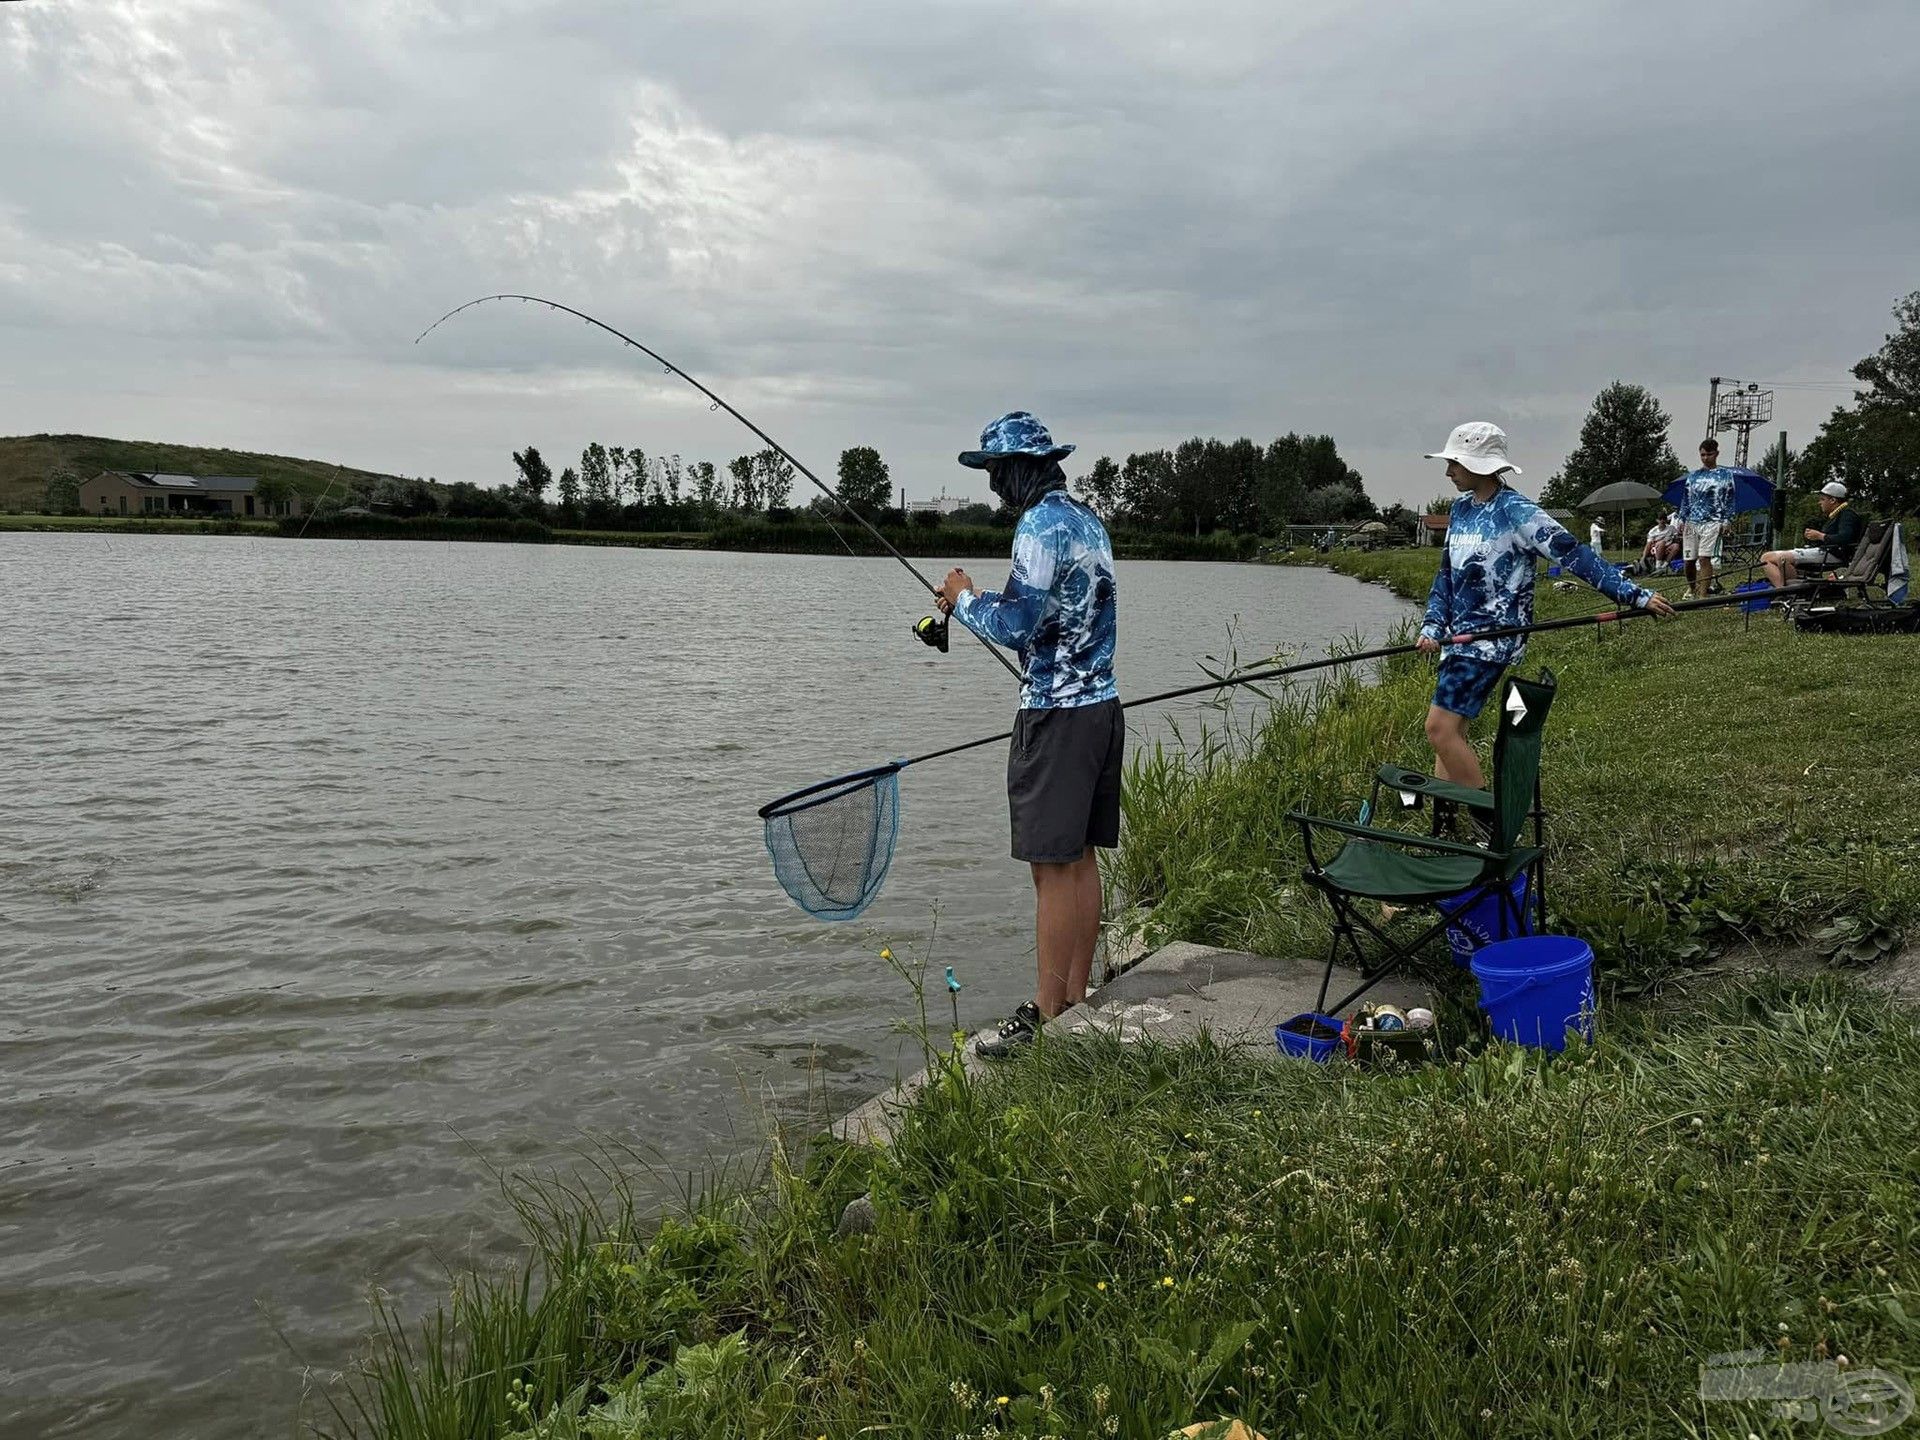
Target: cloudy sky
[223, 221]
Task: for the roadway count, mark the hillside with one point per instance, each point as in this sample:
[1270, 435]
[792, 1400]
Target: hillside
[27, 460]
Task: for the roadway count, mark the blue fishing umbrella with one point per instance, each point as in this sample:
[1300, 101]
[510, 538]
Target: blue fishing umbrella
[1751, 490]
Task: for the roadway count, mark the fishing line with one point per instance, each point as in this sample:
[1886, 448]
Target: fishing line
[720, 404]
[832, 842]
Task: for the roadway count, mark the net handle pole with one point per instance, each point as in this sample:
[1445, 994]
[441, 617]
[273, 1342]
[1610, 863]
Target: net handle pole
[1601, 617]
[774, 444]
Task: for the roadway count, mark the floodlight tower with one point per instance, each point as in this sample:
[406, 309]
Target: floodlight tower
[1742, 409]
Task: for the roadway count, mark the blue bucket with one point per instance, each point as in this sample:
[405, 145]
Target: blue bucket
[1537, 988]
[1309, 1036]
[1483, 922]
[1753, 607]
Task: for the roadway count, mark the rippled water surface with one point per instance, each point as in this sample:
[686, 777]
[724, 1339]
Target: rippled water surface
[335, 875]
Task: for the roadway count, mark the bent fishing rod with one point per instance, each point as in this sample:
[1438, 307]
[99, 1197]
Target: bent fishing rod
[1600, 617]
[720, 404]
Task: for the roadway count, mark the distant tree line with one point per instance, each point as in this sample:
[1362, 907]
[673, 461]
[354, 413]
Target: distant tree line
[1199, 487]
[1237, 486]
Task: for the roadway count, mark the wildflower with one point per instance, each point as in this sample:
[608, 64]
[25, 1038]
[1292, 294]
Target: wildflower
[1003, 1400]
[1186, 1199]
[1166, 1281]
[1110, 1425]
[886, 954]
[1101, 1395]
[964, 1395]
[1100, 1285]
[1046, 1397]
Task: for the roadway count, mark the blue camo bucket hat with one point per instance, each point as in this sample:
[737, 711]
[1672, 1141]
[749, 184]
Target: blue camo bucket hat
[1016, 433]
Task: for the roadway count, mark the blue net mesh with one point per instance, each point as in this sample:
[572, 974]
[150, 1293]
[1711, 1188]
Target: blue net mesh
[831, 844]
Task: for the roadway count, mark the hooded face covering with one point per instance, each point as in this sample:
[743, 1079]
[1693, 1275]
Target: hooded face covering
[1020, 480]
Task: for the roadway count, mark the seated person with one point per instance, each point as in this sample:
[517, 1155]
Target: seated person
[1831, 547]
[1663, 545]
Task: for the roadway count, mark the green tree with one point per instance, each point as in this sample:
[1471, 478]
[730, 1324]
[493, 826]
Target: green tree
[774, 478]
[746, 485]
[535, 474]
[706, 486]
[1624, 437]
[1440, 504]
[63, 493]
[1100, 486]
[865, 485]
[596, 474]
[271, 494]
[569, 490]
[1874, 446]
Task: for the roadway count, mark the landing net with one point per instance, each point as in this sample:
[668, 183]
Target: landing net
[831, 843]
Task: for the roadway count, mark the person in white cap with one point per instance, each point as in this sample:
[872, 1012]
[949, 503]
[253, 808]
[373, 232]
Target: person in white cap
[1596, 536]
[1832, 546]
[1485, 582]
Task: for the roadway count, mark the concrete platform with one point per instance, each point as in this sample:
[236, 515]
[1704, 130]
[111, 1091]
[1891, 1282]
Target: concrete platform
[1171, 995]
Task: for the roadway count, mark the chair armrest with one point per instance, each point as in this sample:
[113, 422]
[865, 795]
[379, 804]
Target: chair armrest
[1398, 777]
[1395, 837]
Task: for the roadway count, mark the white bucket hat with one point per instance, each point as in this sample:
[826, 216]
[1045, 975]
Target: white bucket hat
[1833, 489]
[1478, 445]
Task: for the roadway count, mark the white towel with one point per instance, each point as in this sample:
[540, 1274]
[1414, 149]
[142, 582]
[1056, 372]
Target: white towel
[1897, 567]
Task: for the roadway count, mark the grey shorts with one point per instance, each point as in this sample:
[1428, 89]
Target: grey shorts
[1063, 781]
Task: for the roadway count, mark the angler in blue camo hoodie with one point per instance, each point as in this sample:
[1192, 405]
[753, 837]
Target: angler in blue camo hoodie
[1485, 582]
[1057, 612]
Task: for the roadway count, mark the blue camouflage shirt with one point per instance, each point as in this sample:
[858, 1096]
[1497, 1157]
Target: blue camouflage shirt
[1709, 497]
[1058, 606]
[1486, 573]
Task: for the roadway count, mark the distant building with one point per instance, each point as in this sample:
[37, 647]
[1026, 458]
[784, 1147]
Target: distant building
[154, 492]
[944, 505]
[1433, 529]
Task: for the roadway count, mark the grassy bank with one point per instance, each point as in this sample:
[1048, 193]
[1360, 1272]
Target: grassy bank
[1710, 782]
[1108, 1240]
[1113, 1240]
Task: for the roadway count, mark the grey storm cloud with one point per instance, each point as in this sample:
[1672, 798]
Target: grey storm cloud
[223, 221]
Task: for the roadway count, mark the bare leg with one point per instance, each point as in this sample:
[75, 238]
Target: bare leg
[1087, 919]
[1454, 757]
[1063, 939]
[1703, 576]
[1779, 567]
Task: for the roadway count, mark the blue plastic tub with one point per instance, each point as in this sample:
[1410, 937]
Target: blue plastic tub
[1753, 607]
[1537, 989]
[1471, 926]
[1316, 1037]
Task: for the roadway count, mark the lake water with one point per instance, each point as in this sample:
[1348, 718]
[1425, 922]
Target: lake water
[334, 875]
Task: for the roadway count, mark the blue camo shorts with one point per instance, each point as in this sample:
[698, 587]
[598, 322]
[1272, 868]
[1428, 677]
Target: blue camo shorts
[1465, 683]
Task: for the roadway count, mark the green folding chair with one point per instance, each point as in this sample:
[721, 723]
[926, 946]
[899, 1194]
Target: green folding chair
[1398, 867]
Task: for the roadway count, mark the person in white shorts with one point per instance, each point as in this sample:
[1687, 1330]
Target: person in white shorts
[1705, 511]
[1832, 546]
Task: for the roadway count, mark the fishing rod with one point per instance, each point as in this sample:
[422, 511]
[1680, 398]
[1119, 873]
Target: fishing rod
[720, 404]
[1599, 617]
[832, 843]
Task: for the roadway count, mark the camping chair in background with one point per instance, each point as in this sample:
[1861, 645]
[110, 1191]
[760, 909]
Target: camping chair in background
[1867, 571]
[1398, 867]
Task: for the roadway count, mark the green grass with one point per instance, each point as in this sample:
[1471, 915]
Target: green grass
[1122, 1239]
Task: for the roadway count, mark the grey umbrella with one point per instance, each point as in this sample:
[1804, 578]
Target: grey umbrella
[1620, 495]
